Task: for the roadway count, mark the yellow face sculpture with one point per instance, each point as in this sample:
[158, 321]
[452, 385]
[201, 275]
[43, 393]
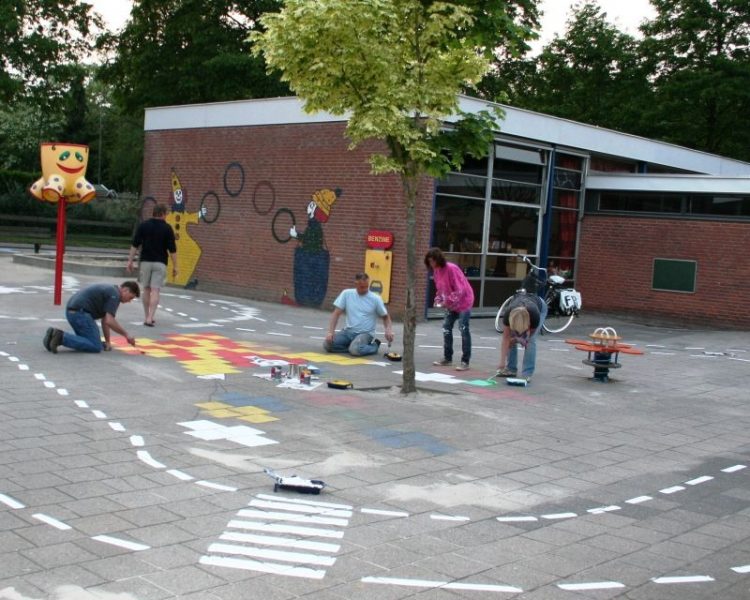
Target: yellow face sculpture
[63, 174]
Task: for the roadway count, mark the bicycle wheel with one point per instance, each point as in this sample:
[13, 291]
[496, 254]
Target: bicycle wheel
[499, 317]
[555, 322]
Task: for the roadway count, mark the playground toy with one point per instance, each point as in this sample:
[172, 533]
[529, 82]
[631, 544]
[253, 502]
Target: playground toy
[603, 351]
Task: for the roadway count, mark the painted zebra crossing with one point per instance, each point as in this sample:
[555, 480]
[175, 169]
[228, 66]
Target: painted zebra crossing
[283, 536]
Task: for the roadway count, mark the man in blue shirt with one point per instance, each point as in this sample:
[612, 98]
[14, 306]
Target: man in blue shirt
[85, 307]
[362, 308]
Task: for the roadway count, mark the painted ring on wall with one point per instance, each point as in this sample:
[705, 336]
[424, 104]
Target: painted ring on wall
[230, 166]
[269, 185]
[273, 225]
[147, 209]
[210, 207]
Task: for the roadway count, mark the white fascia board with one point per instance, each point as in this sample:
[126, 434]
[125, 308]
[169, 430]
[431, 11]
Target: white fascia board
[520, 123]
[240, 113]
[570, 134]
[669, 183]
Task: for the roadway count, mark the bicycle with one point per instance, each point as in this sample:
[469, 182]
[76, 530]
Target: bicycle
[563, 304]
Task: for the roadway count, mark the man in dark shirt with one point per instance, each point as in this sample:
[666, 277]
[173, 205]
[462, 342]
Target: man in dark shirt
[522, 320]
[85, 307]
[155, 239]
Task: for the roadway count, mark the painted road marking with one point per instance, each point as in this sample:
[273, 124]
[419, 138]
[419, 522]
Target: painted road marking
[426, 583]
[733, 469]
[146, 457]
[684, 579]
[180, 475]
[254, 565]
[216, 486]
[51, 521]
[11, 502]
[268, 540]
[596, 585]
[698, 480]
[121, 543]
[516, 519]
[385, 513]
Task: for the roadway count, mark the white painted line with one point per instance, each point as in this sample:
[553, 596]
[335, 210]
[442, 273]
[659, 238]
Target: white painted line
[742, 569]
[280, 555]
[13, 359]
[733, 469]
[638, 499]
[291, 517]
[146, 457]
[193, 319]
[739, 359]
[3, 353]
[182, 314]
[39, 376]
[672, 490]
[268, 540]
[597, 585]
[180, 475]
[51, 521]
[23, 367]
[62, 391]
[559, 349]
[293, 529]
[169, 309]
[699, 480]
[136, 440]
[216, 486]
[311, 327]
[99, 414]
[121, 543]
[254, 565]
[385, 513]
[567, 515]
[426, 583]
[449, 518]
[694, 348]
[279, 334]
[11, 502]
[244, 329]
[49, 384]
[485, 347]
[516, 519]
[425, 346]
[307, 502]
[81, 404]
[603, 509]
[283, 323]
[662, 353]
[301, 508]
[654, 346]
[116, 426]
[685, 579]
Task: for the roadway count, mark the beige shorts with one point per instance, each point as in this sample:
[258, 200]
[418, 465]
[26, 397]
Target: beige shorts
[152, 274]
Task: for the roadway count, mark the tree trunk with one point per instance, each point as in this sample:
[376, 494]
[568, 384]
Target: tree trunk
[410, 183]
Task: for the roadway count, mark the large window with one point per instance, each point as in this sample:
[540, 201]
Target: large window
[718, 205]
[567, 183]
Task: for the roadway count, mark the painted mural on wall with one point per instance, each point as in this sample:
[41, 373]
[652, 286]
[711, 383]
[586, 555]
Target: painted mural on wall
[311, 257]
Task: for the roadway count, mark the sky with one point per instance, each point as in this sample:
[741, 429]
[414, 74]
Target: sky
[625, 14]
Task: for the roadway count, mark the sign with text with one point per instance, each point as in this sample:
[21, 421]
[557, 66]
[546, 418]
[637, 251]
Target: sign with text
[381, 240]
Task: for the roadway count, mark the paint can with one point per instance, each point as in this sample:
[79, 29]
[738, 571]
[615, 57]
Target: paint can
[305, 377]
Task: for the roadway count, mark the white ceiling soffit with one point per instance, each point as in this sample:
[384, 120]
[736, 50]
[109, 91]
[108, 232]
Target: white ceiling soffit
[669, 183]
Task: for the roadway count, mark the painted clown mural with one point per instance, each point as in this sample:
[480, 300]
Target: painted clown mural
[63, 174]
[188, 250]
[311, 257]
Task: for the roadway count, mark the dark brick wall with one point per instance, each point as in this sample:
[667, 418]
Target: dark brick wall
[283, 166]
[616, 260]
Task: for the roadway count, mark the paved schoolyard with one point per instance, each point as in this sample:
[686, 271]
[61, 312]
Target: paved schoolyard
[138, 474]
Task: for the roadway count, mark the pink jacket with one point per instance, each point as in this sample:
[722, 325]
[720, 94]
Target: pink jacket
[453, 289]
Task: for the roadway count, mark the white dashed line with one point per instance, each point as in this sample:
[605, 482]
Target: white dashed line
[597, 585]
[672, 490]
[81, 404]
[121, 543]
[116, 426]
[51, 521]
[216, 486]
[426, 583]
[733, 469]
[685, 579]
[180, 475]
[385, 513]
[146, 457]
[11, 502]
[698, 480]
[136, 440]
[564, 515]
[638, 500]
[99, 414]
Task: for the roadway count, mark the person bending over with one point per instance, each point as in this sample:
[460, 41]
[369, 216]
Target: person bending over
[522, 320]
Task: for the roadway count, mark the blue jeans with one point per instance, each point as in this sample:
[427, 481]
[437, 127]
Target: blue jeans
[529, 354]
[356, 344]
[463, 326]
[86, 337]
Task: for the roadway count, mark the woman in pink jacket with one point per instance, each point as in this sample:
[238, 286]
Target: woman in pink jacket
[455, 294]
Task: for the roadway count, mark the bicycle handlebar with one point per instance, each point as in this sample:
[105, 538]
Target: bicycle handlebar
[527, 260]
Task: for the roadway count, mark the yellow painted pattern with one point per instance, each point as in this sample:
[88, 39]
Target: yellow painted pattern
[251, 414]
[188, 250]
[210, 354]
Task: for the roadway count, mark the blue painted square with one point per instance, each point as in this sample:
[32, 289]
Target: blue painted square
[268, 403]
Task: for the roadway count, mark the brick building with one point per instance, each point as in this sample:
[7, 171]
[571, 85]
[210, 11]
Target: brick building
[636, 225]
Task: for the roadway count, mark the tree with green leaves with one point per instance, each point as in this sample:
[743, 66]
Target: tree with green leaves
[700, 55]
[593, 73]
[396, 67]
[174, 52]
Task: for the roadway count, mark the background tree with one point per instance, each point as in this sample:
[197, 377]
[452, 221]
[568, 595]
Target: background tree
[174, 52]
[593, 73]
[700, 53]
[396, 66]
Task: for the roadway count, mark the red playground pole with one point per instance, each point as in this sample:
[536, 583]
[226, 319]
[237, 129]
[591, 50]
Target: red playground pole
[61, 206]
